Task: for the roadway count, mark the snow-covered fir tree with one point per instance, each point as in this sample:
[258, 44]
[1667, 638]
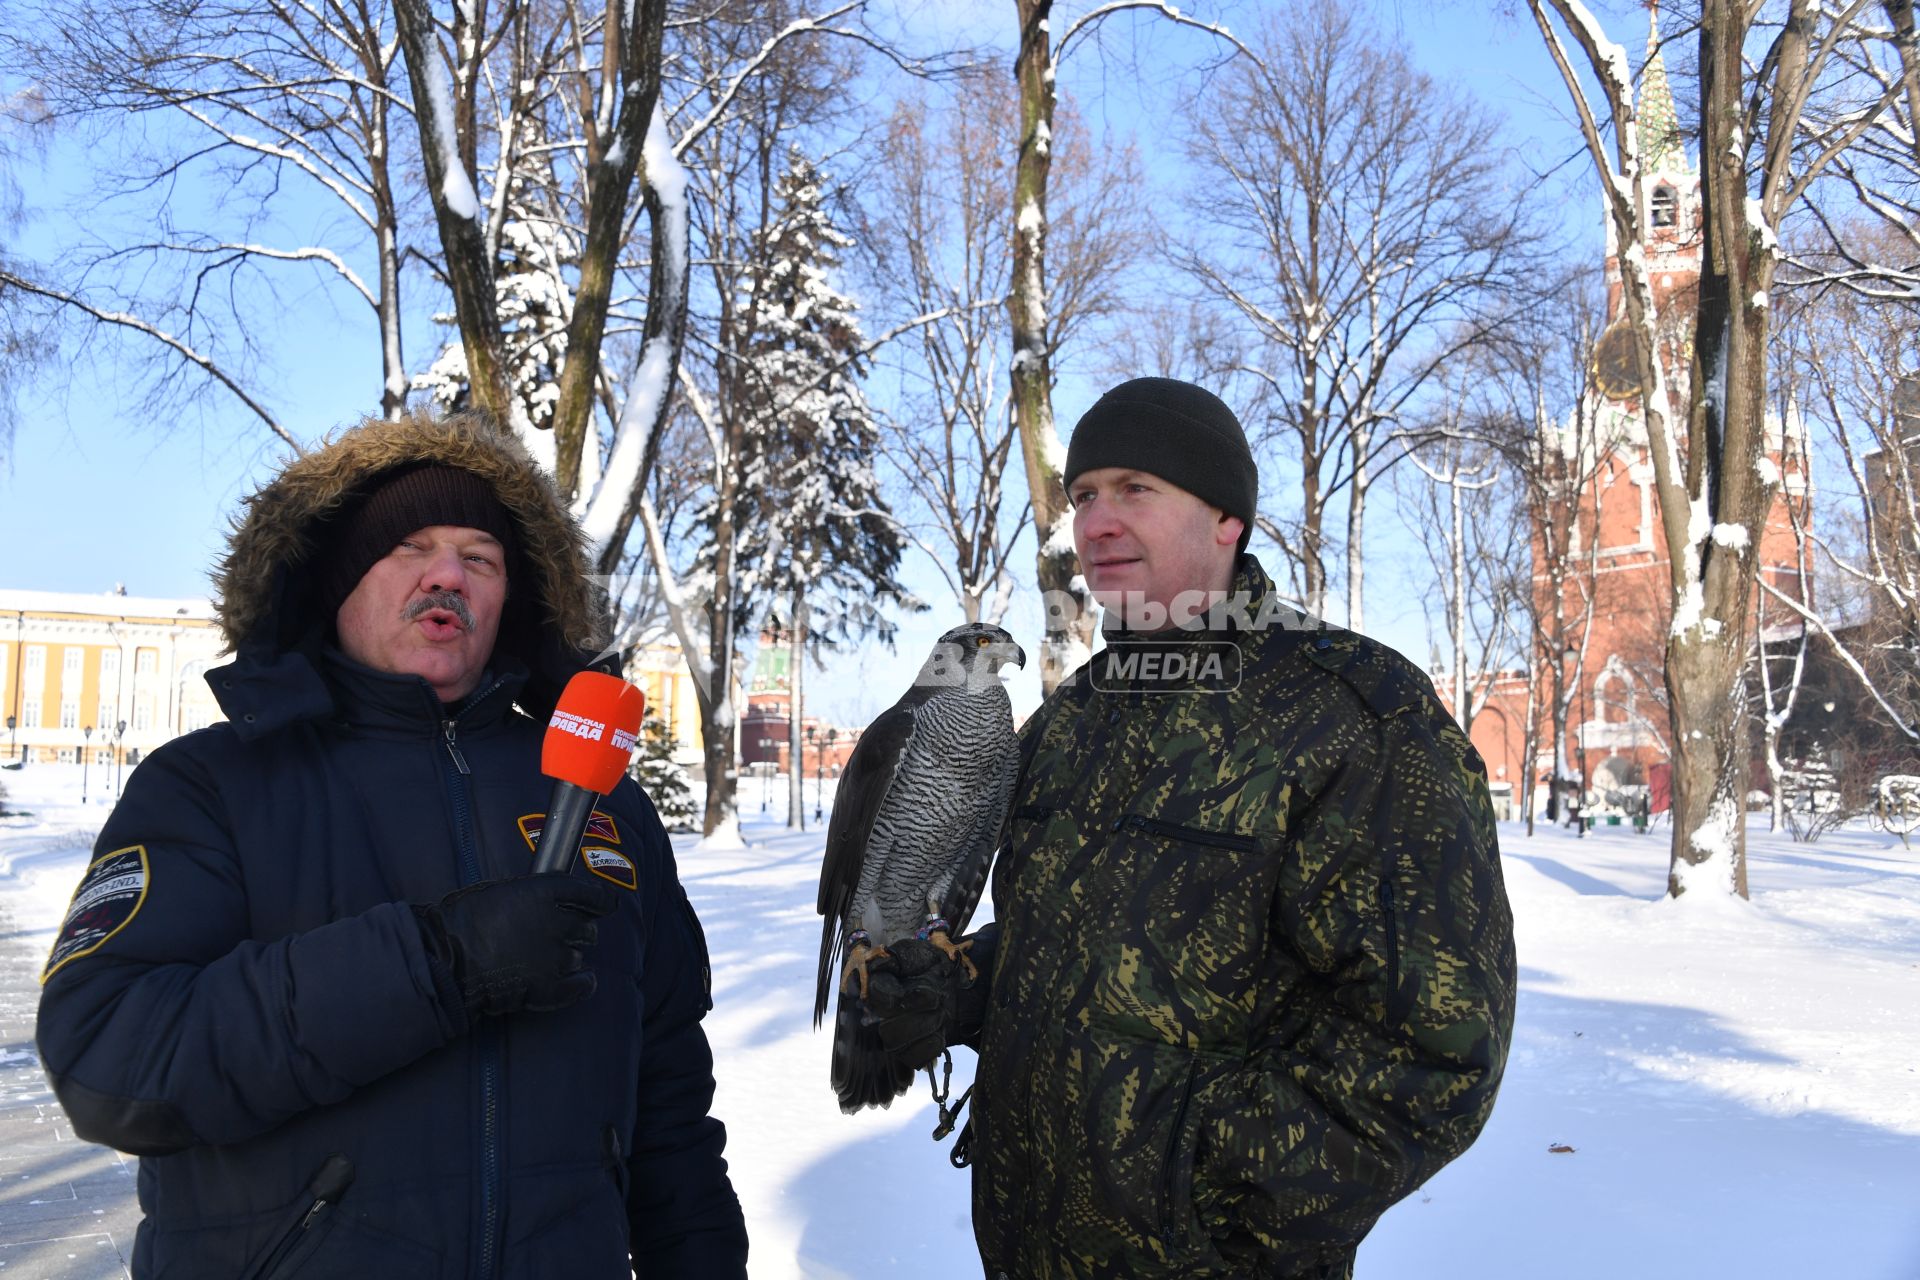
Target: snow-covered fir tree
[812, 519]
[662, 778]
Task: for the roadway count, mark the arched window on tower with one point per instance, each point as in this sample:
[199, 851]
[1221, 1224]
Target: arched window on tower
[1666, 206]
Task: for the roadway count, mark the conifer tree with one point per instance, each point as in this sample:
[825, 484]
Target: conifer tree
[813, 522]
[662, 778]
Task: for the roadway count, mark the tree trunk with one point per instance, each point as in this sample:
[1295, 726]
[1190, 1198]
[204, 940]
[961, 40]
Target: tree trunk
[1529, 746]
[393, 364]
[717, 714]
[1356, 530]
[636, 61]
[1313, 568]
[664, 331]
[796, 710]
[1457, 623]
[1714, 574]
[463, 243]
[1069, 607]
[1709, 770]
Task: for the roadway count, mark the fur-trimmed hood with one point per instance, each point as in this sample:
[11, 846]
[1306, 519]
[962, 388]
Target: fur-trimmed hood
[264, 587]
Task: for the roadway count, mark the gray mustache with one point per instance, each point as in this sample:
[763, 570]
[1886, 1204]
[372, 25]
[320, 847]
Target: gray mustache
[450, 601]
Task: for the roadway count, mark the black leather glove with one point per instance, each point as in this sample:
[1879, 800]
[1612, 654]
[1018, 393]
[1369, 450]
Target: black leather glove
[517, 944]
[921, 1002]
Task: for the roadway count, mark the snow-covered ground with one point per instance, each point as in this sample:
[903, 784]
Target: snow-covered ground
[1739, 1083]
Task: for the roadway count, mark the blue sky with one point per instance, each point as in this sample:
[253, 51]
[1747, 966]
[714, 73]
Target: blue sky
[91, 496]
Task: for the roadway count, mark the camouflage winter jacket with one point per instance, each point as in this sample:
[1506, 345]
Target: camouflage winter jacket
[1255, 975]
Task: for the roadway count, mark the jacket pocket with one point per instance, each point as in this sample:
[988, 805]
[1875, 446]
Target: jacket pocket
[586, 1242]
[1204, 839]
[698, 936]
[1180, 930]
[1136, 1161]
[1177, 1178]
[307, 1224]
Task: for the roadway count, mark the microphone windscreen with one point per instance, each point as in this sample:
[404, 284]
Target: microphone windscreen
[592, 732]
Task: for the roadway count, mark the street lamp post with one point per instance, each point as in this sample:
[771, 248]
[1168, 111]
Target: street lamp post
[813, 733]
[13, 737]
[119, 757]
[86, 736]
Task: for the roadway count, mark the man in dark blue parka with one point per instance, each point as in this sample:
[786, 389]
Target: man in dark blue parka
[308, 977]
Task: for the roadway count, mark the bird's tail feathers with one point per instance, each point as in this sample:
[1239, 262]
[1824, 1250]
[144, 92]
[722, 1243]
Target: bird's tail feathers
[864, 1073]
[832, 942]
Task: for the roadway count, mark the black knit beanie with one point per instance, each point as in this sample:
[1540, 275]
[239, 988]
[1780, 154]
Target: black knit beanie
[1184, 434]
[398, 503]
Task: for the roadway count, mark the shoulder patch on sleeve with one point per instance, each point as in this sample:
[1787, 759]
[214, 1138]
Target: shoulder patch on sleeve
[599, 827]
[607, 863]
[1384, 680]
[109, 896]
[610, 864]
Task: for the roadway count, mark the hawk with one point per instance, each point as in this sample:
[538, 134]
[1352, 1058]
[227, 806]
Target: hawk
[916, 819]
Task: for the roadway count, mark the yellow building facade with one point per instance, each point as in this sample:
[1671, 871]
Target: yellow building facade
[114, 676]
[660, 672]
[111, 676]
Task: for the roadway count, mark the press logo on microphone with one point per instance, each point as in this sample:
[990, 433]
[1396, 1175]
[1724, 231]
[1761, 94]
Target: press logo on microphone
[581, 727]
[624, 740]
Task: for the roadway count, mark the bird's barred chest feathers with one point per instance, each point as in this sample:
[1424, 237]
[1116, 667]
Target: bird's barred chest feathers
[953, 767]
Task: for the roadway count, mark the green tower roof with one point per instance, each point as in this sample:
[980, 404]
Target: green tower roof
[1659, 126]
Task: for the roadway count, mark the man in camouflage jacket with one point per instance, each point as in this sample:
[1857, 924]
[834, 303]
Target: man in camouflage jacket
[1253, 978]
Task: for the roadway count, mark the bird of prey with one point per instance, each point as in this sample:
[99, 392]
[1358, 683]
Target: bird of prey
[916, 819]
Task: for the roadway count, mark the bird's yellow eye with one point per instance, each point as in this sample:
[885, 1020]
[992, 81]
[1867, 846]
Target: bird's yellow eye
[982, 642]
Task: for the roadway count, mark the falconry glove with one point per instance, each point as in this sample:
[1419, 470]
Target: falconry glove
[921, 1002]
[519, 944]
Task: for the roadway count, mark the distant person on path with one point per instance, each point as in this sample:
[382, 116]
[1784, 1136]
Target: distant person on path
[1253, 976]
[308, 978]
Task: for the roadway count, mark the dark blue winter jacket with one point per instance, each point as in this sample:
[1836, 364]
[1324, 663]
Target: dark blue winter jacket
[267, 1004]
[241, 996]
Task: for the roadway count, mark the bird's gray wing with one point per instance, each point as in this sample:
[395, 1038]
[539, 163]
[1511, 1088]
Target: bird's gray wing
[989, 832]
[856, 803]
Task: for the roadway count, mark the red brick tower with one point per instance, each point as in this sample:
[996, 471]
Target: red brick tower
[1614, 660]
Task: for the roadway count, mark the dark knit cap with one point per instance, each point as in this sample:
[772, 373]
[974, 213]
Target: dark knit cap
[397, 503]
[1184, 434]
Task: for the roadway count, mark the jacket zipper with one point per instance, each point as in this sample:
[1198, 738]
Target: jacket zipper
[1393, 937]
[1170, 1170]
[488, 1034]
[1190, 835]
[453, 749]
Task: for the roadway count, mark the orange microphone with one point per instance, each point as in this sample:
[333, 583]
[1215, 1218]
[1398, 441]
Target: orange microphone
[589, 740]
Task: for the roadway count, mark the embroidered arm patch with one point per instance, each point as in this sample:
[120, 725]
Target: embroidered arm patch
[109, 896]
[608, 864]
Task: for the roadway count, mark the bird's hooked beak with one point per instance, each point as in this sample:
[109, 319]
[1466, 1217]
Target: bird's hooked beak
[1009, 652]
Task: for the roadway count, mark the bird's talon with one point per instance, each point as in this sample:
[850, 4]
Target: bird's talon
[955, 951]
[857, 961]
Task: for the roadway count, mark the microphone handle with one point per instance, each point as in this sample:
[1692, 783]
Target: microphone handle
[567, 815]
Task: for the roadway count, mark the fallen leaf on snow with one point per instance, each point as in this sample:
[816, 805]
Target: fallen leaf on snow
[1560, 1148]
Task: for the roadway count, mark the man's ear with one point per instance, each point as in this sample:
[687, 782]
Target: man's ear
[1227, 530]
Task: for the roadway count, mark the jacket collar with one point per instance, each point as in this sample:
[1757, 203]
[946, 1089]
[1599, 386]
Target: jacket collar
[1245, 598]
[262, 692]
[370, 699]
